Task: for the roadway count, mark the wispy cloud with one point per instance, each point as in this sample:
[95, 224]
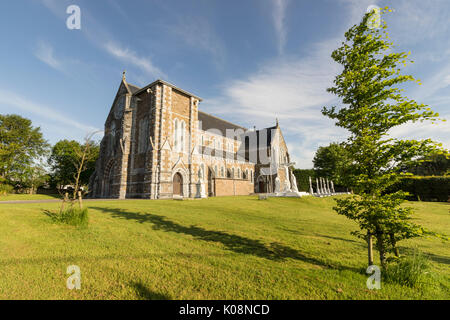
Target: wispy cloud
[293, 89]
[99, 36]
[44, 52]
[199, 33]
[279, 17]
[128, 56]
[17, 101]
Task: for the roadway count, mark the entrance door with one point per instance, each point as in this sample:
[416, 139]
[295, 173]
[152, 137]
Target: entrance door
[178, 184]
[262, 186]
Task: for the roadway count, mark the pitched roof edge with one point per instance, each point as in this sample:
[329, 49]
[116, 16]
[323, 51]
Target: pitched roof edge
[170, 85]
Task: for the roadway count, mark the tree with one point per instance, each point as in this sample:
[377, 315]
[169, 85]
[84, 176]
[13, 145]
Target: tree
[373, 105]
[21, 146]
[331, 162]
[437, 164]
[73, 163]
[34, 177]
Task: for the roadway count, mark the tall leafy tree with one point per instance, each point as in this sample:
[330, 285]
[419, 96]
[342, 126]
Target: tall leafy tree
[331, 162]
[68, 165]
[373, 104]
[21, 146]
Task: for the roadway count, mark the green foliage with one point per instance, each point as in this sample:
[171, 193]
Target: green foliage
[372, 106]
[73, 216]
[34, 177]
[6, 189]
[65, 159]
[302, 176]
[331, 162]
[411, 271]
[437, 164]
[21, 145]
[423, 188]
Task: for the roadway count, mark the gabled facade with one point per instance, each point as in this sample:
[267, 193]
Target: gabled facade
[157, 144]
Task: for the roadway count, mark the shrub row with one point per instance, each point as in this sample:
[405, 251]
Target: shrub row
[424, 188]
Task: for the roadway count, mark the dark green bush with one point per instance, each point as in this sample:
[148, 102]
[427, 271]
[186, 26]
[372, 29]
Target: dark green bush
[424, 188]
[302, 176]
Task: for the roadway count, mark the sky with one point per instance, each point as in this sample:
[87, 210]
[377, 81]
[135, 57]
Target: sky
[251, 61]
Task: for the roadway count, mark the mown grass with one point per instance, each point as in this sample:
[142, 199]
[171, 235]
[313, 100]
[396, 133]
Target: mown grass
[25, 197]
[216, 248]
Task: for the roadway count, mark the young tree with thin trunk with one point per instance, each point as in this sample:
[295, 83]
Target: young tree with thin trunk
[373, 104]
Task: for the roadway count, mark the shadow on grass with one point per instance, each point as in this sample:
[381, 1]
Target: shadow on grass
[53, 215]
[239, 244]
[146, 294]
[431, 256]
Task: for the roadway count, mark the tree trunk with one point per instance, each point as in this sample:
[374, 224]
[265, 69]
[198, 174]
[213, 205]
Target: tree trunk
[80, 200]
[370, 248]
[380, 244]
[394, 245]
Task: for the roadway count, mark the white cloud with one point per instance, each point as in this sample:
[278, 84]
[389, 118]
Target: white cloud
[16, 101]
[44, 52]
[128, 56]
[438, 131]
[292, 90]
[278, 17]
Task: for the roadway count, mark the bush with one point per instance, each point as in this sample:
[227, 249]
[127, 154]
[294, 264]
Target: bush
[73, 216]
[424, 188]
[302, 176]
[408, 271]
[5, 189]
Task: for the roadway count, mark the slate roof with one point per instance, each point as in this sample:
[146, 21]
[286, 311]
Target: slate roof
[212, 122]
[133, 88]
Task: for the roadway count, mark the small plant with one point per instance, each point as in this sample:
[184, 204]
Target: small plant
[73, 216]
[409, 271]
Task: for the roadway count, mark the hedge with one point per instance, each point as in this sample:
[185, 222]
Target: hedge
[424, 188]
[302, 176]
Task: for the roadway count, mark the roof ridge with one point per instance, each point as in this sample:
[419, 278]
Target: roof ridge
[223, 120]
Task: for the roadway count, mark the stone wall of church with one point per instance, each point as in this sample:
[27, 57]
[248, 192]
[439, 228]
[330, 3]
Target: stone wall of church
[232, 187]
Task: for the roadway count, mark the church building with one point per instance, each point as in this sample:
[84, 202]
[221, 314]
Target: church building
[157, 144]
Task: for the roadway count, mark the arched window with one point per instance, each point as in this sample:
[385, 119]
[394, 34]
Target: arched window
[222, 172]
[232, 173]
[216, 172]
[179, 135]
[182, 136]
[175, 135]
[239, 173]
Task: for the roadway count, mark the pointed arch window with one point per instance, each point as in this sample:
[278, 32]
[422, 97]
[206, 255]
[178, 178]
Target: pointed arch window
[179, 135]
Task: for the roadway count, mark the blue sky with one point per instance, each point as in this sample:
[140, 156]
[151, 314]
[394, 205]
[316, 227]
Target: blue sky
[251, 61]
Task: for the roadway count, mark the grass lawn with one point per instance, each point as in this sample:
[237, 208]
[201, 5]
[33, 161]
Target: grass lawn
[23, 197]
[216, 248]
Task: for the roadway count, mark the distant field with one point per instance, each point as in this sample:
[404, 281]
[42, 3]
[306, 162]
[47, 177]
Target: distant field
[216, 248]
[13, 197]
